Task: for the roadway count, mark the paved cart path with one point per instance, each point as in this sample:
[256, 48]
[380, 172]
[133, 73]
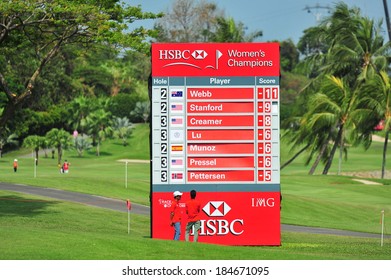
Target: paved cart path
[120, 205]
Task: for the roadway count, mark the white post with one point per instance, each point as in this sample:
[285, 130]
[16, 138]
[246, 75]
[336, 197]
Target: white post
[126, 174]
[382, 228]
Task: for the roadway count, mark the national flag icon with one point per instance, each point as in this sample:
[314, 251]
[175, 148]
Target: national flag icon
[177, 120]
[176, 107]
[177, 161]
[177, 148]
[178, 176]
[177, 136]
[177, 93]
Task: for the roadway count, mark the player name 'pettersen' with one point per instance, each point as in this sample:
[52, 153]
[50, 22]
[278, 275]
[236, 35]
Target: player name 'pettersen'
[206, 176]
[207, 108]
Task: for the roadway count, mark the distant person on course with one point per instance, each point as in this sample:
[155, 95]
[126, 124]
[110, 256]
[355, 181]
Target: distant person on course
[15, 165]
[193, 208]
[65, 167]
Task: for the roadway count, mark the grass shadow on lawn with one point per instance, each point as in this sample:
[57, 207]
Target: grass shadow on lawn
[13, 205]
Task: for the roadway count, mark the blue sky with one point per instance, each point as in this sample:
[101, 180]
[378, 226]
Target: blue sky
[278, 19]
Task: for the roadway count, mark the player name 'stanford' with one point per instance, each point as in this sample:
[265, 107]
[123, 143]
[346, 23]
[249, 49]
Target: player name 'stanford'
[207, 108]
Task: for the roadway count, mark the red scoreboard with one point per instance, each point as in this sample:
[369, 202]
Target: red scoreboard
[215, 129]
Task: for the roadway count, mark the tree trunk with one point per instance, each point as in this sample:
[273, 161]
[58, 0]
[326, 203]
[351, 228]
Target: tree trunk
[340, 155]
[332, 153]
[36, 156]
[383, 166]
[319, 157]
[59, 151]
[294, 157]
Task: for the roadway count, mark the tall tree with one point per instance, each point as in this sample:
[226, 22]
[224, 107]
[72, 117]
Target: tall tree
[376, 105]
[188, 21]
[44, 27]
[60, 139]
[98, 126]
[356, 52]
[200, 21]
[35, 142]
[227, 30]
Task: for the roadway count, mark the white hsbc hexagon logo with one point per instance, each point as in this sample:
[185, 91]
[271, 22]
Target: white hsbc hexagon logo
[216, 208]
[199, 54]
[220, 227]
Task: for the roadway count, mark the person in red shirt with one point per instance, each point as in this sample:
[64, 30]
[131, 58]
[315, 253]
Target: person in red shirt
[65, 166]
[193, 209]
[176, 215]
[15, 165]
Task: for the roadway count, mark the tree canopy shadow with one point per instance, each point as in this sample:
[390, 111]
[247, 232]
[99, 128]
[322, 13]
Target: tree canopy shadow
[14, 205]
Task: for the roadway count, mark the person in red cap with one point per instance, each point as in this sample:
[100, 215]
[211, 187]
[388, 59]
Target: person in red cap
[176, 215]
[193, 208]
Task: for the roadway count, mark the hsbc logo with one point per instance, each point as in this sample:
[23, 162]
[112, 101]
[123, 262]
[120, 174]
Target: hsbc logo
[216, 208]
[190, 58]
[182, 54]
[199, 54]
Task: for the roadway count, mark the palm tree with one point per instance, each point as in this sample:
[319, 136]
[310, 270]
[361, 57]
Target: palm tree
[97, 125]
[122, 129]
[356, 52]
[60, 139]
[142, 110]
[7, 138]
[82, 143]
[332, 109]
[377, 100]
[35, 142]
[230, 31]
[78, 109]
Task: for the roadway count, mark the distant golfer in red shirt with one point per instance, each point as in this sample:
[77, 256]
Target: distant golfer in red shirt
[193, 208]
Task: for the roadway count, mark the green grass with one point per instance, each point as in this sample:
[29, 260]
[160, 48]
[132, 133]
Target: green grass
[101, 175]
[46, 229]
